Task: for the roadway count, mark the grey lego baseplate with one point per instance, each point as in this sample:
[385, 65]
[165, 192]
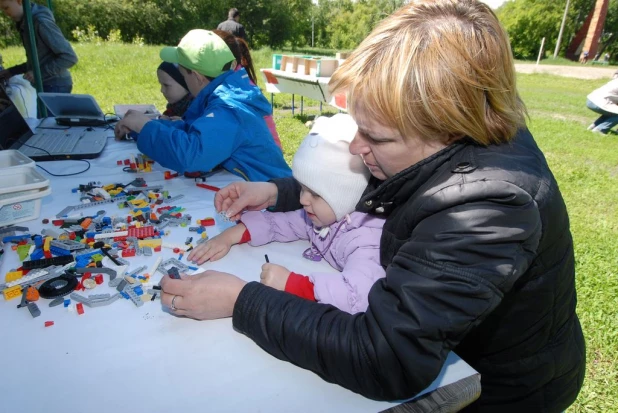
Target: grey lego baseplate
[71, 208]
[69, 245]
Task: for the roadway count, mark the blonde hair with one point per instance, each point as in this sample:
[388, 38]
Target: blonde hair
[438, 68]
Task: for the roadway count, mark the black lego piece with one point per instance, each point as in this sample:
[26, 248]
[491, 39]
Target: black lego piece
[58, 287]
[47, 262]
[173, 273]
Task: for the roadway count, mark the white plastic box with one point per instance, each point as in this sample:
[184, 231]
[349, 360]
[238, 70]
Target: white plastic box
[21, 190]
[12, 160]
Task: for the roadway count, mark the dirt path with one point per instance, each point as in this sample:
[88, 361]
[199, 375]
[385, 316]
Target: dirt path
[580, 72]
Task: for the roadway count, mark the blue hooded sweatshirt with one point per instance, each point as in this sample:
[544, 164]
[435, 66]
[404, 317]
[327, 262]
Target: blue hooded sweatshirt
[223, 126]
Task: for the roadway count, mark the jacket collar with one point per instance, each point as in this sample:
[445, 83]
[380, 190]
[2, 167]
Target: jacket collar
[382, 197]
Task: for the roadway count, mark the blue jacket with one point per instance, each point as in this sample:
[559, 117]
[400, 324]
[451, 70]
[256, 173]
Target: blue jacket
[223, 126]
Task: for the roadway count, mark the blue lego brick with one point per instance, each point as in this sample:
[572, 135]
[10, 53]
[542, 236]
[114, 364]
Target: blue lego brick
[90, 234]
[124, 295]
[67, 302]
[15, 238]
[58, 251]
[37, 254]
[38, 241]
[138, 290]
[106, 221]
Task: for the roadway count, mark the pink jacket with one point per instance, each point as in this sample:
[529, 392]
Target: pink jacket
[354, 251]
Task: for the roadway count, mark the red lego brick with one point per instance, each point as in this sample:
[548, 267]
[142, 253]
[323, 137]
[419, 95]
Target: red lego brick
[127, 162]
[80, 308]
[119, 163]
[129, 252]
[58, 222]
[208, 222]
[99, 278]
[49, 323]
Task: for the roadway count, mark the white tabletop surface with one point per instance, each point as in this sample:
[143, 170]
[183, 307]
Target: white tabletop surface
[123, 358]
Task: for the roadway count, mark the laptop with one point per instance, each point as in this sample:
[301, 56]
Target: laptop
[73, 110]
[148, 110]
[46, 144]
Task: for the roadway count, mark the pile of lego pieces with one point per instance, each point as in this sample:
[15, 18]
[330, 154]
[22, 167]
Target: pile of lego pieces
[76, 254]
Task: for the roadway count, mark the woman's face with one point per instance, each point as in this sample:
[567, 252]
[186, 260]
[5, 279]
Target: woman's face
[383, 149]
[171, 90]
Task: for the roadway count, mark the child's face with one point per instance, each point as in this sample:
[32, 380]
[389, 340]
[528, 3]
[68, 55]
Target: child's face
[317, 209]
[171, 89]
[13, 9]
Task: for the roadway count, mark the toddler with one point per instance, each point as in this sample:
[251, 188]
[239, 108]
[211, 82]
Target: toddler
[175, 90]
[333, 181]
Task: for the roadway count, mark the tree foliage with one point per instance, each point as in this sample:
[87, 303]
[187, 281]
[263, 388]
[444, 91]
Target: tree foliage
[275, 23]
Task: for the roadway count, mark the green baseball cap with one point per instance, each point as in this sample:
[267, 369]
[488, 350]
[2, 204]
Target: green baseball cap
[200, 50]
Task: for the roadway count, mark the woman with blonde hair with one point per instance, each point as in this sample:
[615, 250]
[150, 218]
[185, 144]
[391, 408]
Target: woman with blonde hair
[476, 245]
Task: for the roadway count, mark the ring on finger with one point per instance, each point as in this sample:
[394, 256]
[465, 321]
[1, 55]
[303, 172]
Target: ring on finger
[173, 306]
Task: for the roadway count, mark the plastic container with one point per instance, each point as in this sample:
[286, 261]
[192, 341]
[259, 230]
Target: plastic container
[12, 160]
[21, 191]
[277, 61]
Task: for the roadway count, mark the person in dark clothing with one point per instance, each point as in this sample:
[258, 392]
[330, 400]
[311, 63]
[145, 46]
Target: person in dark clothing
[55, 53]
[476, 245]
[231, 25]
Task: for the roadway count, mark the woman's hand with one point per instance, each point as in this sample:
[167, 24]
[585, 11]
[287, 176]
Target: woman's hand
[274, 276]
[205, 296]
[240, 196]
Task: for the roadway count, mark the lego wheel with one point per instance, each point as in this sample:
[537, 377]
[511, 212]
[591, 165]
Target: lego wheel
[58, 287]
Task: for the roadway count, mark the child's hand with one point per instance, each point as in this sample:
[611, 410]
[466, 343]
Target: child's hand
[212, 250]
[29, 76]
[274, 276]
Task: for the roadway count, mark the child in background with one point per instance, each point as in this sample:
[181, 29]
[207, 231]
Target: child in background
[55, 53]
[240, 50]
[333, 181]
[174, 89]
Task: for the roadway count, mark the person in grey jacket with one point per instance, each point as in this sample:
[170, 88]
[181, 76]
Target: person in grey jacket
[55, 53]
[604, 101]
[231, 25]
[333, 181]
[476, 245]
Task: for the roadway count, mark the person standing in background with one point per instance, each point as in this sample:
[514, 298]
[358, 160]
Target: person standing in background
[231, 25]
[55, 53]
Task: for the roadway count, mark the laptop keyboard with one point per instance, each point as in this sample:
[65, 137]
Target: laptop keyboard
[54, 142]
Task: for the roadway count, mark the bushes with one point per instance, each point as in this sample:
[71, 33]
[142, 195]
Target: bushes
[274, 23]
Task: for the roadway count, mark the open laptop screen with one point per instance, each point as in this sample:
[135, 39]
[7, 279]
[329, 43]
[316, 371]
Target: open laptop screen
[13, 127]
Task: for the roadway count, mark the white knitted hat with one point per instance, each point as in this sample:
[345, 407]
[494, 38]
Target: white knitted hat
[324, 164]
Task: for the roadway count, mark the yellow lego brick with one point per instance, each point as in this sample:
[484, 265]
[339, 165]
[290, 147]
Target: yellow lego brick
[108, 187]
[152, 195]
[204, 235]
[152, 243]
[12, 292]
[47, 243]
[135, 201]
[13, 275]
[114, 192]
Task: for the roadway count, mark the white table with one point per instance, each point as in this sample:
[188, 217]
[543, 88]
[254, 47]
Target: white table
[279, 81]
[123, 358]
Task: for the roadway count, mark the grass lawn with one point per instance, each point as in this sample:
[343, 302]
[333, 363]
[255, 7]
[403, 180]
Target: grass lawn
[585, 165]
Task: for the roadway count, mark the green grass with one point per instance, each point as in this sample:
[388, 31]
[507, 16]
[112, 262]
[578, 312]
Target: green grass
[585, 165]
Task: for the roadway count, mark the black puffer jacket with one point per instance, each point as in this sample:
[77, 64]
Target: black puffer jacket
[479, 260]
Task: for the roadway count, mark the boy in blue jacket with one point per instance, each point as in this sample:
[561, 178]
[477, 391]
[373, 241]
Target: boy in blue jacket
[223, 126]
[55, 53]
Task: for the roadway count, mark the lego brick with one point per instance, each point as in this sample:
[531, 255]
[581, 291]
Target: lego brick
[34, 310]
[42, 263]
